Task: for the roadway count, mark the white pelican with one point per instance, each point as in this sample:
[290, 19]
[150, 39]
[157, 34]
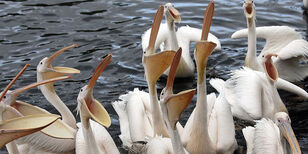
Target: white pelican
[172, 105]
[41, 141]
[170, 39]
[282, 47]
[92, 137]
[46, 71]
[252, 94]
[21, 126]
[270, 136]
[281, 40]
[139, 112]
[209, 129]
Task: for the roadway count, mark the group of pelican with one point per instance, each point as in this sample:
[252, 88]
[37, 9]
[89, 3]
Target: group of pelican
[150, 123]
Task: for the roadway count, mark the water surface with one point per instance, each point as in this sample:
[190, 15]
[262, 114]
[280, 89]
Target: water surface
[33, 29]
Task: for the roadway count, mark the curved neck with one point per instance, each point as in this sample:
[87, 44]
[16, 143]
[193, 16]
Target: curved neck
[251, 57]
[158, 123]
[88, 136]
[52, 97]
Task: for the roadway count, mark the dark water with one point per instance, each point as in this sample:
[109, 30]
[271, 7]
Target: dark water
[33, 29]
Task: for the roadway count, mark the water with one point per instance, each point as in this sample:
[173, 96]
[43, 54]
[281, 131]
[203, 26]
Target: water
[33, 29]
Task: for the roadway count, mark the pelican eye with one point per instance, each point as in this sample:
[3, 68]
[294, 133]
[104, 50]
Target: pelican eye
[81, 90]
[41, 63]
[4, 96]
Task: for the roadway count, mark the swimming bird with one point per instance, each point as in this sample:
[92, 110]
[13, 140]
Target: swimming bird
[272, 136]
[172, 105]
[252, 94]
[39, 142]
[170, 39]
[291, 48]
[92, 137]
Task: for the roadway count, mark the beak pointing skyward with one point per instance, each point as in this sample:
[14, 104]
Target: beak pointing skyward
[270, 68]
[90, 107]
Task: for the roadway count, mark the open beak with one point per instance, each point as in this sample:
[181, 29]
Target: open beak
[18, 127]
[13, 81]
[207, 20]
[249, 9]
[156, 64]
[270, 68]
[173, 68]
[176, 105]
[59, 71]
[287, 131]
[175, 14]
[91, 108]
[155, 28]
[203, 50]
[57, 129]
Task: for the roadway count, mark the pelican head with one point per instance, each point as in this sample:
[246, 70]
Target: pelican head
[282, 120]
[174, 104]
[249, 9]
[46, 71]
[270, 69]
[172, 14]
[87, 105]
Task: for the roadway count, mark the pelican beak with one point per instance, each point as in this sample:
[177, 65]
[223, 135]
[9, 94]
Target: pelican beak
[18, 127]
[91, 108]
[56, 130]
[20, 90]
[288, 133]
[176, 104]
[173, 68]
[270, 68]
[156, 64]
[207, 20]
[203, 50]
[59, 71]
[175, 14]
[154, 31]
[249, 9]
[13, 81]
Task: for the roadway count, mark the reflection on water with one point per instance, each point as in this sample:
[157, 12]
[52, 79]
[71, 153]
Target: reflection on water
[33, 29]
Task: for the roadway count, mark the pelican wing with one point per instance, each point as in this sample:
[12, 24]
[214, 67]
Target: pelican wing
[249, 134]
[292, 61]
[244, 92]
[277, 37]
[266, 137]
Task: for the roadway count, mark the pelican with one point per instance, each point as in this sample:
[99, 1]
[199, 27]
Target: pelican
[46, 71]
[208, 132]
[139, 112]
[41, 141]
[270, 136]
[21, 126]
[170, 39]
[252, 94]
[281, 40]
[92, 137]
[172, 105]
